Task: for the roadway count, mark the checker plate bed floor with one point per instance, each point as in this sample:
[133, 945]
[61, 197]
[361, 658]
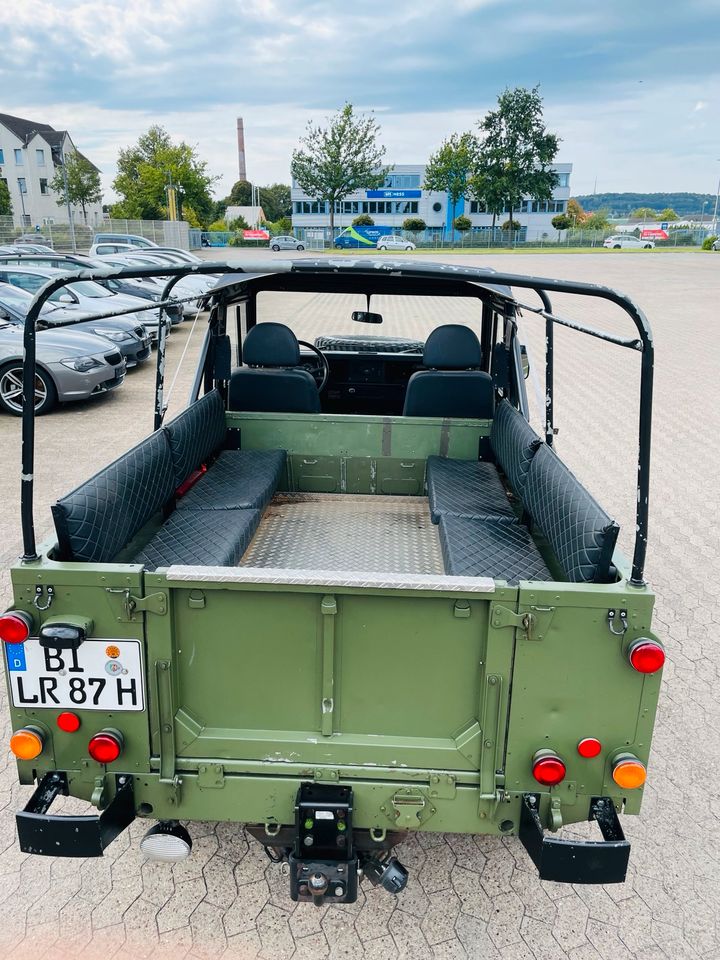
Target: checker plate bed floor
[343, 532]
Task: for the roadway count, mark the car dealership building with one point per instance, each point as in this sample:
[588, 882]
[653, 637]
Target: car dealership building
[403, 196]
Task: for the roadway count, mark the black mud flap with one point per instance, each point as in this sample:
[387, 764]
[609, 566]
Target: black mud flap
[66, 836]
[576, 861]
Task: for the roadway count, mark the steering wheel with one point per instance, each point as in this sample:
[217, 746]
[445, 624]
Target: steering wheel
[320, 371]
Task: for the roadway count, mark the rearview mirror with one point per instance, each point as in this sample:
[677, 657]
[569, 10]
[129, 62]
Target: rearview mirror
[65, 298]
[364, 316]
[4, 315]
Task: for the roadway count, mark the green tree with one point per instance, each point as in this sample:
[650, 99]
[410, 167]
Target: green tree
[644, 213]
[331, 162]
[275, 201]
[513, 225]
[451, 167]
[281, 227]
[83, 183]
[143, 171]
[190, 216]
[240, 195]
[575, 212]
[239, 223]
[5, 202]
[364, 220]
[668, 214]
[561, 222]
[516, 149]
[597, 220]
[218, 226]
[414, 225]
[487, 186]
[462, 224]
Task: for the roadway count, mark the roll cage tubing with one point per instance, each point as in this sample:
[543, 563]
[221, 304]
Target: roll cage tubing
[488, 278]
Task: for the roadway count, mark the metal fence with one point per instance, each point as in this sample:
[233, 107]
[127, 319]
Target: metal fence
[59, 235]
[484, 238]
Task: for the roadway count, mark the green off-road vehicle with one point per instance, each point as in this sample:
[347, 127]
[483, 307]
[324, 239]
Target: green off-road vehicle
[347, 593]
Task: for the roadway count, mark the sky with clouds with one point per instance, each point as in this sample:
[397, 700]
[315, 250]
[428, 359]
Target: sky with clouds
[631, 86]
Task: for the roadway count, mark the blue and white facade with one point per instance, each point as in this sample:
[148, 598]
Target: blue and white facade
[402, 196]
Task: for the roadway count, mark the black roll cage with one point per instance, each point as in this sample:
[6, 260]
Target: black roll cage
[347, 274]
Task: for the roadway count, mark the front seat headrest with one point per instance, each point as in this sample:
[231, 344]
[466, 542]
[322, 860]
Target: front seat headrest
[452, 347]
[271, 345]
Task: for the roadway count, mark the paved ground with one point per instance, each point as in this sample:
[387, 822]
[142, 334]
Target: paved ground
[468, 897]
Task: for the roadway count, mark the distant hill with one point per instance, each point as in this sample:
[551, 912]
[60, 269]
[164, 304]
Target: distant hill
[622, 204]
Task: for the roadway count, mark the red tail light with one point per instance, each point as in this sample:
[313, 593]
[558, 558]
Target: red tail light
[68, 722]
[646, 656]
[589, 747]
[548, 769]
[106, 746]
[15, 626]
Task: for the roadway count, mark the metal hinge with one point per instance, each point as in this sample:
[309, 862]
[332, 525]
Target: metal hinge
[211, 776]
[153, 603]
[533, 623]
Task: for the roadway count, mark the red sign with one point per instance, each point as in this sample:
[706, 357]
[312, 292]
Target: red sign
[256, 235]
[654, 235]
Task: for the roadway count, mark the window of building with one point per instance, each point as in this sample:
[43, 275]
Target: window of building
[2, 156]
[402, 181]
[44, 186]
[18, 157]
[563, 179]
[22, 185]
[476, 206]
[437, 207]
[40, 158]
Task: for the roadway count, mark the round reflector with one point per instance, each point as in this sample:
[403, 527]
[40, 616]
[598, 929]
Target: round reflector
[27, 744]
[589, 747]
[15, 626]
[629, 773]
[105, 747]
[167, 841]
[548, 769]
[69, 722]
[646, 656]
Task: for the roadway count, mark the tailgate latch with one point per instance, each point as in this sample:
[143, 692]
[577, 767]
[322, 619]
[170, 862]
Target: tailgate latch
[533, 624]
[152, 603]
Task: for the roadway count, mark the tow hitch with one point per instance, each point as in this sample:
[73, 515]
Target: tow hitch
[324, 861]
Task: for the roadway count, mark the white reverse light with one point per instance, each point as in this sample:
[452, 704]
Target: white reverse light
[167, 841]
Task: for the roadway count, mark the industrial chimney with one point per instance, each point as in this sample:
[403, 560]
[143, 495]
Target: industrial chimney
[242, 170]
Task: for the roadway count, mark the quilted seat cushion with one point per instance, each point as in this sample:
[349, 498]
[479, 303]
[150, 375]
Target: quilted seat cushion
[466, 488]
[580, 532]
[514, 443]
[486, 548]
[239, 479]
[196, 434]
[102, 515]
[203, 537]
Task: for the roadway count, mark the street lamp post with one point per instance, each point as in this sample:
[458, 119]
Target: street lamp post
[717, 198]
[67, 200]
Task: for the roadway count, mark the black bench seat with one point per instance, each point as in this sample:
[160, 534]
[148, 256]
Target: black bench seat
[237, 480]
[486, 548]
[467, 488]
[202, 537]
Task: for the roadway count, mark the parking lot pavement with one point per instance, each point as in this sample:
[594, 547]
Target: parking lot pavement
[468, 897]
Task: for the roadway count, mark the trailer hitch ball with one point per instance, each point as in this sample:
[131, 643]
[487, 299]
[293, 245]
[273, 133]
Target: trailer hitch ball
[317, 885]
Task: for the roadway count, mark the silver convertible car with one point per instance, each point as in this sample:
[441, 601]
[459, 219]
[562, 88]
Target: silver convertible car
[70, 366]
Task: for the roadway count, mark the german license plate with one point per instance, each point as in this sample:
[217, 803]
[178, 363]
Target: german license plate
[99, 675]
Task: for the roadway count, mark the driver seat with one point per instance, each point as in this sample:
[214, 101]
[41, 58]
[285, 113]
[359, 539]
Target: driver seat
[272, 381]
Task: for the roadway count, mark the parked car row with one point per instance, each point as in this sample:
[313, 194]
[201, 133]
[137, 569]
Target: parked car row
[91, 356]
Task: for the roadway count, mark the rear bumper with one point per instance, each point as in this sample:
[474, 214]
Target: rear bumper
[576, 861]
[48, 835]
